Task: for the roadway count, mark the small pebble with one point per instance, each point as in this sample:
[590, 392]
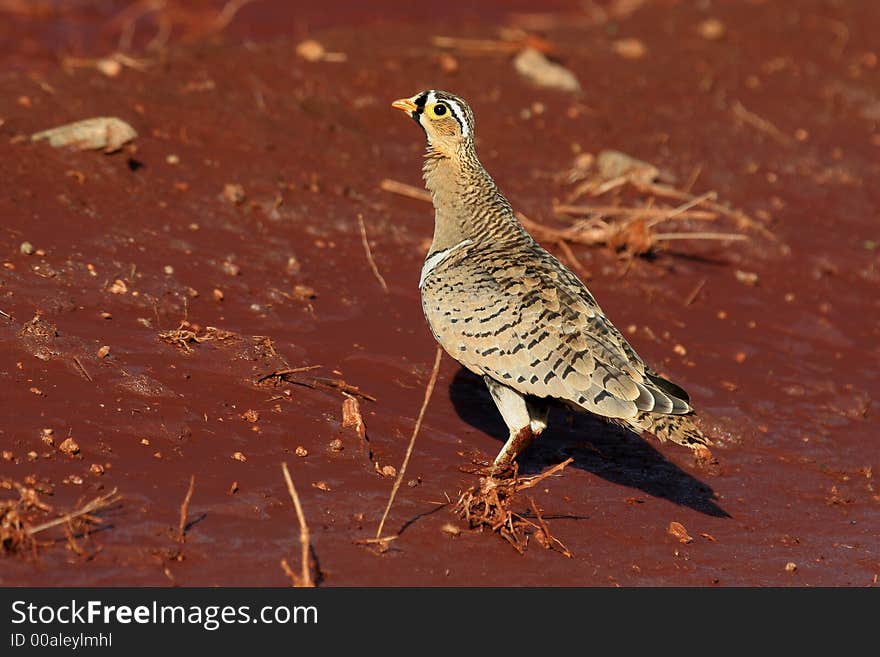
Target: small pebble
[234, 193]
[311, 51]
[96, 469]
[790, 567]
[303, 292]
[448, 63]
[746, 277]
[301, 451]
[336, 445]
[293, 267]
[678, 531]
[26, 248]
[238, 456]
[630, 48]
[104, 351]
[69, 447]
[118, 287]
[711, 29]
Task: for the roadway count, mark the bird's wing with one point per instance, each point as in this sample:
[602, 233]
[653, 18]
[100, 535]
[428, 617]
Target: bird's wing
[532, 325]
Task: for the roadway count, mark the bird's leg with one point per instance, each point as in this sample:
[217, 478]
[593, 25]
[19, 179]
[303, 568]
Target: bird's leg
[515, 445]
[524, 420]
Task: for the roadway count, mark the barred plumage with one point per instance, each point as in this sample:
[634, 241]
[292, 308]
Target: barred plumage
[507, 309]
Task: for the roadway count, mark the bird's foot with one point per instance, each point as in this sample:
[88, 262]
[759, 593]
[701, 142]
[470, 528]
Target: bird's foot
[490, 505]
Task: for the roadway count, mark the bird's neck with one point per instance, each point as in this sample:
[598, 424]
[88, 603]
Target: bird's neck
[467, 203]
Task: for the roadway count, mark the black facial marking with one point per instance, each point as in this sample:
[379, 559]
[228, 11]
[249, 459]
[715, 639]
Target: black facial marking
[420, 106]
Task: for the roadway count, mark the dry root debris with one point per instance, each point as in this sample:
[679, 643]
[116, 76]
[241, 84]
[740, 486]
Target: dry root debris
[291, 375]
[188, 334]
[19, 520]
[617, 222]
[490, 505]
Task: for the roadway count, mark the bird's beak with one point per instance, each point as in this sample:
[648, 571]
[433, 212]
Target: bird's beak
[405, 105]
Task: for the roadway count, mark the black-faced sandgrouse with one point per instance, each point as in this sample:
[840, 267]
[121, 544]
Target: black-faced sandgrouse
[509, 311]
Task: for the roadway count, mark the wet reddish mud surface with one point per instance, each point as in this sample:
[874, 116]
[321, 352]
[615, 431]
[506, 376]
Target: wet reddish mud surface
[784, 373]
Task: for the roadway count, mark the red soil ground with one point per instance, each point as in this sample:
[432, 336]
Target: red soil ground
[779, 116]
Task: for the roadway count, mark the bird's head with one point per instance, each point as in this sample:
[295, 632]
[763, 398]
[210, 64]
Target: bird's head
[446, 119]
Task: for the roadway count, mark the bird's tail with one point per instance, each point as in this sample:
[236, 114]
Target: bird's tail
[679, 429]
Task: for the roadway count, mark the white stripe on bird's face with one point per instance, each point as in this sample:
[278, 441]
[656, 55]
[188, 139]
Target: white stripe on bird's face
[455, 107]
[459, 113]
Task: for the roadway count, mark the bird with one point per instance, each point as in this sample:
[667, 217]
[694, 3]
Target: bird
[507, 310]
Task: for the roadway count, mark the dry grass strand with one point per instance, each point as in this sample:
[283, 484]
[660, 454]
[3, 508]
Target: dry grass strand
[304, 580]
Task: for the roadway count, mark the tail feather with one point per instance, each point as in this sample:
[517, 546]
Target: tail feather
[679, 429]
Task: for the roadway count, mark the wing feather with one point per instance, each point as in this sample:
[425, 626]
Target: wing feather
[531, 324]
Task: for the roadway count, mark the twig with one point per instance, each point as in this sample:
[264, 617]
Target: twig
[699, 236]
[5, 314]
[693, 295]
[534, 480]
[490, 46]
[476, 45]
[351, 417]
[334, 384]
[556, 237]
[684, 207]
[128, 18]
[742, 220]
[294, 578]
[571, 257]
[403, 189]
[100, 502]
[369, 253]
[412, 441]
[540, 230]
[82, 369]
[620, 211]
[692, 179]
[282, 373]
[545, 530]
[184, 508]
[230, 9]
[163, 33]
[759, 123]
[306, 581]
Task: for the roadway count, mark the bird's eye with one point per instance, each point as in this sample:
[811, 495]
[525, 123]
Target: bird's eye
[439, 109]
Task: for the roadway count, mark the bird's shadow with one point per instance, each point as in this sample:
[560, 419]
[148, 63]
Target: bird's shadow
[604, 449]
